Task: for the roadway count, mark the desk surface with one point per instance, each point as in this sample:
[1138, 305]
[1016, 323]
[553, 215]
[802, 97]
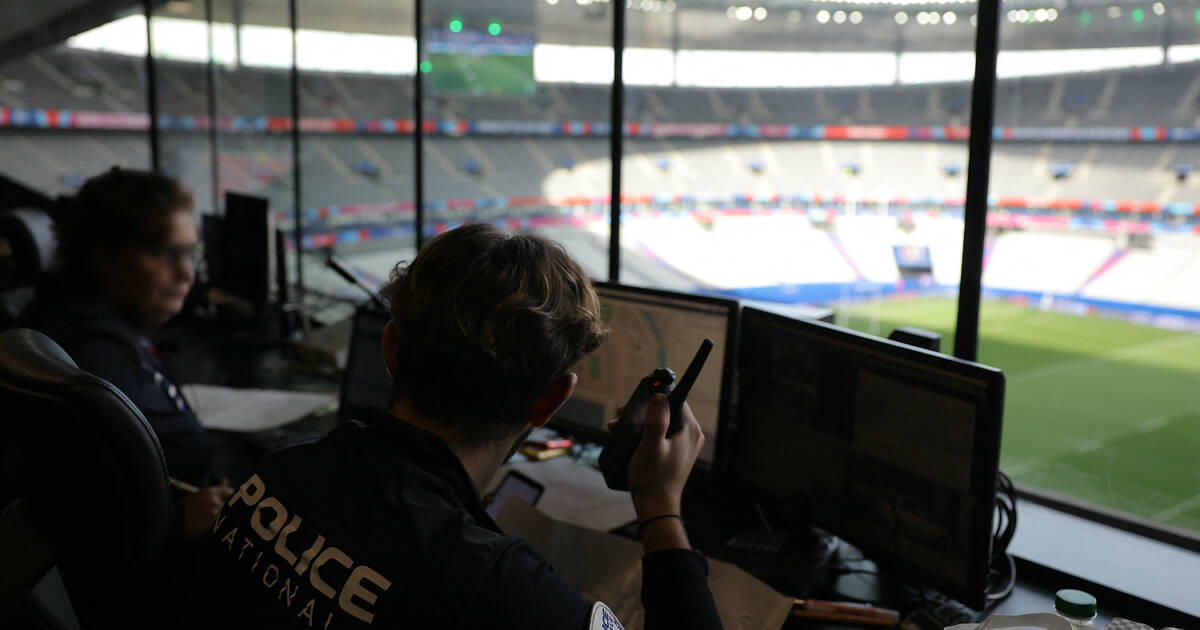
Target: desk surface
[575, 493]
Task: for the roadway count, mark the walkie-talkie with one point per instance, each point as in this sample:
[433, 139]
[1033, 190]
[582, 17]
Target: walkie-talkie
[627, 433]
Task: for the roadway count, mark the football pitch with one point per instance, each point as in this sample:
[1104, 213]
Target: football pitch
[1097, 408]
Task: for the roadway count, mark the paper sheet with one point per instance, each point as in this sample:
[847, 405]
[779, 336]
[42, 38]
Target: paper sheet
[608, 568]
[250, 410]
[576, 494]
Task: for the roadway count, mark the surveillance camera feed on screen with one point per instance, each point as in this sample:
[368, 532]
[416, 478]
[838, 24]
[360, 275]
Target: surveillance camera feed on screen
[890, 448]
[651, 330]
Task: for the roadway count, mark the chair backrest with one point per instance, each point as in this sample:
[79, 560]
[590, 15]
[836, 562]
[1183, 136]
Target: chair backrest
[87, 467]
[27, 241]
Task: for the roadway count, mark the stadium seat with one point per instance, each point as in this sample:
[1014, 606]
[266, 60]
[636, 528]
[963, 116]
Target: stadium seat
[65, 431]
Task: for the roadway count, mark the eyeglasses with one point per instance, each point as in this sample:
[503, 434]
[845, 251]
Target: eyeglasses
[171, 254]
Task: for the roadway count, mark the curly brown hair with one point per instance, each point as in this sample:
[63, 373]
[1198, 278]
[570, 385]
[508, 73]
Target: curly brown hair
[486, 320]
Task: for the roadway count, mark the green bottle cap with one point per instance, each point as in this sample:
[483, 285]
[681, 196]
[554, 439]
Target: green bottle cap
[1075, 603]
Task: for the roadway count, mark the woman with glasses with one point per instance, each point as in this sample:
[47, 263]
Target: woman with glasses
[124, 267]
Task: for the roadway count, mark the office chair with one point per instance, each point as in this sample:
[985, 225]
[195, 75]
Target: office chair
[27, 246]
[83, 482]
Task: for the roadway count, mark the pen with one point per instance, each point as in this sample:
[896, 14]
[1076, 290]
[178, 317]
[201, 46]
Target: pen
[182, 485]
[845, 611]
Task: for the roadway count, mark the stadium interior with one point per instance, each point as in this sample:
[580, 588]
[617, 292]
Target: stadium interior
[785, 152]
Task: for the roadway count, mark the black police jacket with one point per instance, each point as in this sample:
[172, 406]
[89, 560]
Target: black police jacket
[379, 524]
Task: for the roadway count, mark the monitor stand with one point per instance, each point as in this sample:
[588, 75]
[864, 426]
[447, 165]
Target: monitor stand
[724, 525]
[796, 562]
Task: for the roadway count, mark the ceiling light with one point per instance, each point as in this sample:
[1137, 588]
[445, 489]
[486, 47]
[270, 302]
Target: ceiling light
[856, 17]
[743, 13]
[823, 16]
[922, 18]
[839, 16]
[1040, 15]
[795, 16]
[1114, 12]
[934, 18]
[1159, 9]
[760, 13]
[901, 18]
[1051, 15]
[974, 20]
[949, 17]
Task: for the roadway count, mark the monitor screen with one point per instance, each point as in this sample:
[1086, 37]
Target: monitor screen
[892, 448]
[652, 329]
[366, 382]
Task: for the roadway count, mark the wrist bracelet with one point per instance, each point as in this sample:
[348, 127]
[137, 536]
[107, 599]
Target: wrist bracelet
[642, 525]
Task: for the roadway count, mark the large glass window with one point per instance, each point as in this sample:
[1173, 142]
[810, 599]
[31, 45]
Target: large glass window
[356, 107]
[811, 153]
[72, 109]
[184, 42]
[1091, 272]
[516, 103]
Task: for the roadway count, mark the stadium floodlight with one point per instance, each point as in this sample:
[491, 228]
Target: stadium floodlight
[760, 13]
[856, 17]
[822, 16]
[949, 17]
[901, 18]
[743, 13]
[1159, 9]
[839, 17]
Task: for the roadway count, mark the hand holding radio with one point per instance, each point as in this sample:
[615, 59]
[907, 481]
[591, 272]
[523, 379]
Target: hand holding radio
[640, 426]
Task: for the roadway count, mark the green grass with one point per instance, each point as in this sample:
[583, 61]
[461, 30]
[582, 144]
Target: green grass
[1097, 408]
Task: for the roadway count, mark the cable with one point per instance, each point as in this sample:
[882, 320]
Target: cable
[1002, 535]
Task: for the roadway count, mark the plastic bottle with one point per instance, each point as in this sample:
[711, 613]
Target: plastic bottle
[1077, 607]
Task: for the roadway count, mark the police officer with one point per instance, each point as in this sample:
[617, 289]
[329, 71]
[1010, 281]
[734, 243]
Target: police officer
[381, 522]
[124, 267]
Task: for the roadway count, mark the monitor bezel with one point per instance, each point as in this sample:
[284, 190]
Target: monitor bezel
[728, 377]
[985, 459]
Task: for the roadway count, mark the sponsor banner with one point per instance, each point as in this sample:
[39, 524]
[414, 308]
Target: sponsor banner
[70, 119]
[1091, 134]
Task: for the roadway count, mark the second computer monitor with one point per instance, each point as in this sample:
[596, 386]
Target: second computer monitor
[652, 329]
[890, 447]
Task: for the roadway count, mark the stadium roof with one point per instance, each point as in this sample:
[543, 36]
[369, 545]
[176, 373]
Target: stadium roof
[27, 26]
[782, 25]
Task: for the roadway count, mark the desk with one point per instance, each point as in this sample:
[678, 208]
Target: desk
[575, 493]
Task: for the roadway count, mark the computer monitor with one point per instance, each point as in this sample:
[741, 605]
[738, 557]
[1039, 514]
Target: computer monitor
[247, 247]
[366, 382]
[653, 329]
[890, 447]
